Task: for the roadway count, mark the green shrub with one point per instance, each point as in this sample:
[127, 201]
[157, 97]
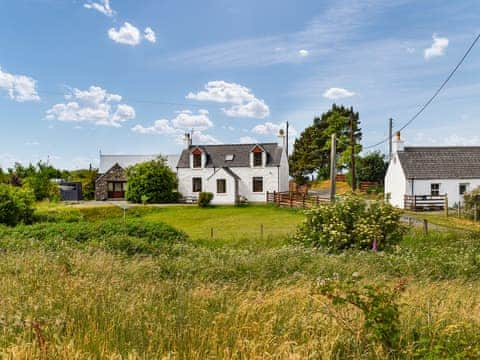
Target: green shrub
[42, 187]
[204, 199]
[472, 202]
[152, 181]
[114, 234]
[350, 223]
[378, 304]
[16, 205]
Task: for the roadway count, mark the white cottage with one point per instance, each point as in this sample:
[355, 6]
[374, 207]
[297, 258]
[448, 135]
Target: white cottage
[233, 171]
[429, 172]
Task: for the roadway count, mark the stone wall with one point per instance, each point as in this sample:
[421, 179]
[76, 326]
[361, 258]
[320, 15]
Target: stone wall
[116, 173]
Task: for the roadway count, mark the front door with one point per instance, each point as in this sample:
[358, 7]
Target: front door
[116, 189]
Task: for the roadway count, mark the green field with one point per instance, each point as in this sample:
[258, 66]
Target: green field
[82, 284]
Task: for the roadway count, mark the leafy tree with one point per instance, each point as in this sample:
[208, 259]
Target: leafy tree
[372, 167]
[87, 177]
[152, 179]
[16, 205]
[311, 152]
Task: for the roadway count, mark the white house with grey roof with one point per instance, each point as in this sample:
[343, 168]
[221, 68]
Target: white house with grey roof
[233, 171]
[431, 171]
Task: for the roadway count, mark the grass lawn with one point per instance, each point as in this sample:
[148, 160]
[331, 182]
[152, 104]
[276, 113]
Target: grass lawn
[82, 284]
[230, 223]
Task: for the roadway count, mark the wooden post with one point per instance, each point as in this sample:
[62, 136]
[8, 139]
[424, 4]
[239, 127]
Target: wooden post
[390, 137]
[475, 213]
[211, 232]
[333, 167]
[317, 201]
[414, 203]
[261, 231]
[303, 201]
[290, 199]
[446, 206]
[425, 226]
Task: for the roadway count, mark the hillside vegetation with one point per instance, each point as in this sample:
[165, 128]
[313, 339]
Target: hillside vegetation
[82, 284]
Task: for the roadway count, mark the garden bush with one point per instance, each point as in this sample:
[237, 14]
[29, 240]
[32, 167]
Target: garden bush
[151, 182]
[113, 234]
[204, 199]
[472, 202]
[16, 205]
[351, 223]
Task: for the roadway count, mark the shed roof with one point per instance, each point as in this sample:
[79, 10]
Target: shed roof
[456, 162]
[216, 155]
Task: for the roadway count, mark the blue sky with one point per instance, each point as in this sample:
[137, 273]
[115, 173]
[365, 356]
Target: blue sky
[130, 77]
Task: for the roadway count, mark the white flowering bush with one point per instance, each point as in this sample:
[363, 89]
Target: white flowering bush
[351, 223]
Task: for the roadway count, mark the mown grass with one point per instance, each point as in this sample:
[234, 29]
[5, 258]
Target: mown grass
[205, 298]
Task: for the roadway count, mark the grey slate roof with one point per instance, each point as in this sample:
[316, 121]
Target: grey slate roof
[441, 162]
[107, 161]
[241, 155]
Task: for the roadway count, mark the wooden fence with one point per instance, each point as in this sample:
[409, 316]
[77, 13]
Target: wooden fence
[295, 200]
[364, 186]
[426, 202]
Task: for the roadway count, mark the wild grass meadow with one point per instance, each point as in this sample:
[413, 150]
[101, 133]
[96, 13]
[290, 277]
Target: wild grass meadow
[85, 284]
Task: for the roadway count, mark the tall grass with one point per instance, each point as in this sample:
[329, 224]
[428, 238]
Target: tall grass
[198, 300]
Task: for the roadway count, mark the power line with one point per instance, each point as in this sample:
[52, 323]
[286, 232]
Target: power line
[444, 83]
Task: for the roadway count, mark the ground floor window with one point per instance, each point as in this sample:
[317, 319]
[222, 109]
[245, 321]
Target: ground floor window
[197, 184]
[221, 186]
[434, 189]
[257, 184]
[462, 188]
[116, 189]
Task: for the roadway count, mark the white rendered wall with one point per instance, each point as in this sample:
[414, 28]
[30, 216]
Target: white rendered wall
[284, 173]
[395, 183]
[270, 175]
[449, 187]
[227, 198]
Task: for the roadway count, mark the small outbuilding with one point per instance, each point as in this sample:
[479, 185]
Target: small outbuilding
[70, 191]
[431, 177]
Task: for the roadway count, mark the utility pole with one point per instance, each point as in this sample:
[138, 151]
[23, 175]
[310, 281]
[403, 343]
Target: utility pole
[390, 136]
[333, 167]
[286, 138]
[352, 156]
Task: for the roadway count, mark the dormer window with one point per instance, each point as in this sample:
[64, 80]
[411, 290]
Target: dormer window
[257, 157]
[197, 158]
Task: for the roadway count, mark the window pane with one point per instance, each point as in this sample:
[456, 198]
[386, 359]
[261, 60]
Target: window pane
[110, 186]
[257, 159]
[221, 186]
[257, 184]
[197, 184]
[435, 189]
[197, 160]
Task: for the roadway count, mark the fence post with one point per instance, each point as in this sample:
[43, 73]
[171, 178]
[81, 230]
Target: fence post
[290, 199]
[446, 206]
[261, 231]
[475, 213]
[414, 203]
[303, 201]
[425, 226]
[211, 232]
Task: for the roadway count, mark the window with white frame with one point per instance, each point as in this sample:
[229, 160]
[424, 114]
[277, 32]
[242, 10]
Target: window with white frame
[196, 184]
[463, 188]
[434, 189]
[258, 184]
[221, 186]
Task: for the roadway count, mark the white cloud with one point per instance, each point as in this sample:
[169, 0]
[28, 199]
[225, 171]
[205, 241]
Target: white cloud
[438, 47]
[270, 128]
[410, 50]
[248, 140]
[127, 34]
[161, 127]
[303, 53]
[244, 103]
[185, 120]
[94, 105]
[103, 6]
[20, 88]
[337, 93]
[149, 35]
